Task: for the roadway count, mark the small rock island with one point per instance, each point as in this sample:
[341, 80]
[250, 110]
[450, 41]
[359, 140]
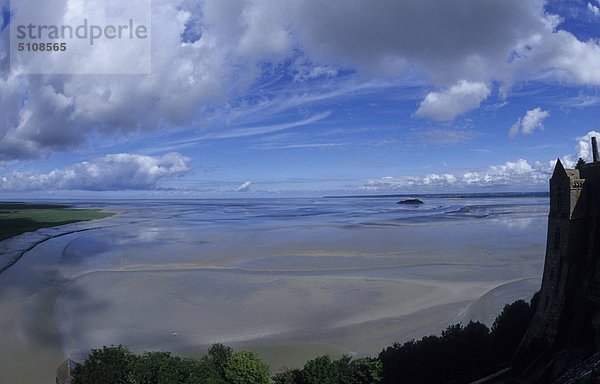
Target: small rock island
[411, 202]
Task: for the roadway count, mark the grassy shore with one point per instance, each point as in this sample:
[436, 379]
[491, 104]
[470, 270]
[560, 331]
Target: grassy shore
[18, 218]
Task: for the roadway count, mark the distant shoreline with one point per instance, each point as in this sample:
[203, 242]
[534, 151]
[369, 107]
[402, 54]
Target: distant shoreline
[446, 195]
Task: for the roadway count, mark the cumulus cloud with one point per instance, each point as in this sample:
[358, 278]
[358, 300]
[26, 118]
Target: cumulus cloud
[390, 183]
[212, 52]
[92, 54]
[511, 173]
[448, 42]
[584, 146]
[45, 114]
[594, 9]
[459, 98]
[108, 173]
[559, 56]
[533, 119]
[245, 187]
[583, 151]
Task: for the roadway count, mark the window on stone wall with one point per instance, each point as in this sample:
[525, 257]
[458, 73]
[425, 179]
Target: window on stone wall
[559, 202]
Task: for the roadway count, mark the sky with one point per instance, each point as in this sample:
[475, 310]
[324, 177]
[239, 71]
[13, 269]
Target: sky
[262, 98]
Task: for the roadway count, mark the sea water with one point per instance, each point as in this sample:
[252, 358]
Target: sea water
[288, 278]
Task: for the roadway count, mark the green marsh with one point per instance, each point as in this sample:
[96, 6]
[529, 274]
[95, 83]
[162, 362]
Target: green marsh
[18, 218]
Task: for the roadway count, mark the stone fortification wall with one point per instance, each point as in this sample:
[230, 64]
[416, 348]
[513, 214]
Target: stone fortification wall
[566, 326]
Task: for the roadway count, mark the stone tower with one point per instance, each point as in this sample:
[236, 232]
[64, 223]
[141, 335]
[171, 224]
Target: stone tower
[566, 324]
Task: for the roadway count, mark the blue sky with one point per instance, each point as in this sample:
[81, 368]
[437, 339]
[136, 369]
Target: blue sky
[293, 98]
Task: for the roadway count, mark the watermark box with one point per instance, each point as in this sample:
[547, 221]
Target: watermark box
[96, 37]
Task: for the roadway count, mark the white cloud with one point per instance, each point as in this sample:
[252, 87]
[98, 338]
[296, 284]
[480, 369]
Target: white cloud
[245, 187]
[253, 131]
[584, 146]
[307, 71]
[594, 9]
[511, 174]
[459, 98]
[533, 119]
[559, 56]
[514, 175]
[460, 47]
[108, 173]
[456, 40]
[104, 56]
[45, 114]
[444, 179]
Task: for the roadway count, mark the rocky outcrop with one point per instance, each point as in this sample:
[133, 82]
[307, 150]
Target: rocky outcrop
[411, 202]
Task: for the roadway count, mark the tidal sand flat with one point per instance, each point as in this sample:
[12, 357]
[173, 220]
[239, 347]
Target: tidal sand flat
[289, 278]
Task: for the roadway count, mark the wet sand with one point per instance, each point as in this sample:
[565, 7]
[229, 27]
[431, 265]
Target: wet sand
[288, 289]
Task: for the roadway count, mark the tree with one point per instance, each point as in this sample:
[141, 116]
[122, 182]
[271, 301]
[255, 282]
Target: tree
[460, 353]
[343, 370]
[320, 371]
[204, 371]
[508, 329]
[219, 355]
[288, 376]
[468, 352]
[162, 368]
[366, 371]
[109, 365]
[116, 365]
[247, 368]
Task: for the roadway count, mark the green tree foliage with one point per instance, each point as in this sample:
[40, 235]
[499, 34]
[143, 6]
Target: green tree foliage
[247, 368]
[366, 371]
[288, 376]
[162, 368]
[116, 365]
[109, 365]
[218, 356]
[320, 371]
[323, 370]
[157, 367]
[343, 370]
[461, 353]
[509, 327]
